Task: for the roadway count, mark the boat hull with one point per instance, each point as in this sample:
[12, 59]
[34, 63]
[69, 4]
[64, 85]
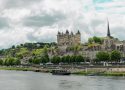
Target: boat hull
[60, 72]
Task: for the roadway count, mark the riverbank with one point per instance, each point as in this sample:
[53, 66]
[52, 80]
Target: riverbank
[91, 73]
[84, 72]
[34, 69]
[16, 68]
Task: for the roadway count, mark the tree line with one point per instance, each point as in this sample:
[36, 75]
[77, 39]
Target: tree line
[10, 61]
[113, 56]
[57, 59]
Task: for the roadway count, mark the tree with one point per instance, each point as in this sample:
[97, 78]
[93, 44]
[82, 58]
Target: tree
[13, 47]
[56, 60]
[11, 61]
[16, 61]
[45, 56]
[102, 56]
[35, 60]
[44, 59]
[73, 58]
[95, 40]
[63, 59]
[1, 62]
[90, 40]
[79, 59]
[68, 60]
[115, 55]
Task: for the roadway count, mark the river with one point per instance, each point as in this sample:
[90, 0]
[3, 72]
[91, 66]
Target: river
[20, 80]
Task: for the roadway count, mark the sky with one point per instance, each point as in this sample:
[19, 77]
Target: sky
[39, 20]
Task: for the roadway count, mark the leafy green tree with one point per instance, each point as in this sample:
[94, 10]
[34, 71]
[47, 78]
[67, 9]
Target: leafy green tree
[35, 60]
[44, 59]
[90, 40]
[63, 59]
[22, 52]
[73, 58]
[1, 62]
[11, 61]
[95, 40]
[16, 61]
[37, 52]
[115, 55]
[13, 47]
[45, 56]
[79, 59]
[102, 56]
[56, 60]
[68, 60]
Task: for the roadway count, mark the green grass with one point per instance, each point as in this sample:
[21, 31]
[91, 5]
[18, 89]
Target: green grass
[113, 74]
[101, 74]
[16, 68]
[83, 73]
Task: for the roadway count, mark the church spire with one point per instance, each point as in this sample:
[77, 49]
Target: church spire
[108, 31]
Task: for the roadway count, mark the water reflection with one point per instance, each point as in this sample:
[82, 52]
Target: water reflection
[18, 80]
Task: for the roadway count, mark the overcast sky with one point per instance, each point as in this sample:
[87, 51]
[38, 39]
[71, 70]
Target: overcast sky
[39, 20]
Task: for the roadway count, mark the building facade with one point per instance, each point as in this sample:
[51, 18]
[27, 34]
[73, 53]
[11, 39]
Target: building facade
[109, 44]
[68, 39]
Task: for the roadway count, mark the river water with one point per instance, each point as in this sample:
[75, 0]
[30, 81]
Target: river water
[19, 80]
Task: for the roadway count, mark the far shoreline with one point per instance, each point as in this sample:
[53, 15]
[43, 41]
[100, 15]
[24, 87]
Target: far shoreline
[81, 72]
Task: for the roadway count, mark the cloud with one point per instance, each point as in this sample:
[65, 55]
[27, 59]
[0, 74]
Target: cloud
[19, 3]
[39, 20]
[46, 19]
[46, 34]
[4, 23]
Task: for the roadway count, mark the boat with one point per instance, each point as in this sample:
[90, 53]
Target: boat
[60, 72]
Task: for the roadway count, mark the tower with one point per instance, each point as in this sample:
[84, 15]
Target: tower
[78, 37]
[108, 30]
[109, 40]
[58, 37]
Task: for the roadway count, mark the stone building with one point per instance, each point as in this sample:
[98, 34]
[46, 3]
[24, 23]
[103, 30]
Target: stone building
[108, 44]
[68, 39]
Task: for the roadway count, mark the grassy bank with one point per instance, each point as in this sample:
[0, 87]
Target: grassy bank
[16, 68]
[84, 73]
[25, 69]
[113, 74]
[100, 74]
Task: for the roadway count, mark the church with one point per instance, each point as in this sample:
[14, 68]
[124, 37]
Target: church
[109, 44]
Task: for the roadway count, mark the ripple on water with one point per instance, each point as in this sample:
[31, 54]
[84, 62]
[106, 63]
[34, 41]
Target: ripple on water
[14, 80]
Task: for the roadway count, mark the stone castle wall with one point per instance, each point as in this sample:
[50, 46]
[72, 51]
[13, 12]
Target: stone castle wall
[68, 38]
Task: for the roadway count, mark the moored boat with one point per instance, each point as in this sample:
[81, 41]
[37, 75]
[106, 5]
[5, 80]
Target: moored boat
[60, 72]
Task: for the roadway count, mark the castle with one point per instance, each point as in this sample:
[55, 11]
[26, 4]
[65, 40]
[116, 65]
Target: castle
[108, 44]
[68, 39]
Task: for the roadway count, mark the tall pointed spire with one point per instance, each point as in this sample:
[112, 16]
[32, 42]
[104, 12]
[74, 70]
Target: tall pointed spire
[108, 31]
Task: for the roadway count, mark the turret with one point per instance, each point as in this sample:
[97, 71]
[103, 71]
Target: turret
[78, 37]
[59, 33]
[72, 33]
[78, 32]
[67, 32]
